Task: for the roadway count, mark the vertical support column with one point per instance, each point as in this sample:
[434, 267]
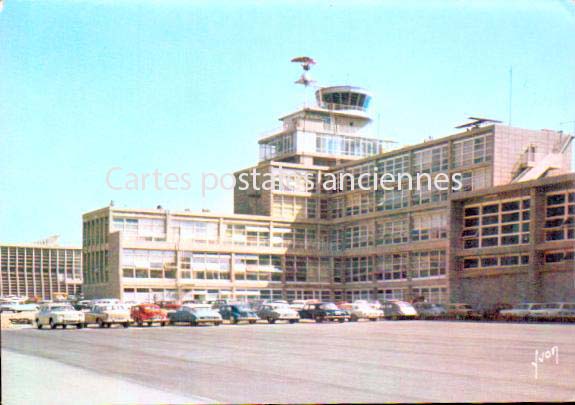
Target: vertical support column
[283, 276]
[9, 266]
[409, 259]
[536, 222]
[51, 283]
[455, 218]
[233, 274]
[25, 268]
[17, 273]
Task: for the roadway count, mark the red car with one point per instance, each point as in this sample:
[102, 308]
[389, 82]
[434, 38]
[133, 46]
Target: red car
[149, 313]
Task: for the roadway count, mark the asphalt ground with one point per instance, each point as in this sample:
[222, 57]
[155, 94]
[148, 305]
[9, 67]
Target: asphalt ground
[387, 361]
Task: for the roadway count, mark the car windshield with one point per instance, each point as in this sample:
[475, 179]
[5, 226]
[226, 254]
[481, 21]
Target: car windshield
[328, 305]
[62, 308]
[150, 308]
[521, 306]
[363, 306]
[280, 307]
[243, 308]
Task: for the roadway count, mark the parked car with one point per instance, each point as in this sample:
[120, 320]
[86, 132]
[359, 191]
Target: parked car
[396, 309]
[552, 311]
[518, 312]
[149, 313]
[106, 315]
[55, 315]
[362, 310]
[427, 310]
[195, 315]
[236, 313]
[493, 312]
[323, 311]
[461, 311]
[278, 311]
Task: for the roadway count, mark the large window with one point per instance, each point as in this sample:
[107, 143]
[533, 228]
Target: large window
[434, 295]
[152, 229]
[477, 179]
[428, 264]
[141, 263]
[430, 160]
[205, 266]
[278, 146]
[288, 206]
[358, 269]
[198, 231]
[560, 216]
[347, 145]
[295, 238]
[429, 226]
[250, 235]
[296, 268]
[394, 165]
[393, 231]
[257, 267]
[472, 151]
[498, 223]
[391, 200]
[559, 256]
[357, 236]
[392, 267]
[392, 294]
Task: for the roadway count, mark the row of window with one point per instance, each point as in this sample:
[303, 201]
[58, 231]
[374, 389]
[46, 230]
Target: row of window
[560, 216]
[498, 223]
[423, 264]
[495, 261]
[560, 256]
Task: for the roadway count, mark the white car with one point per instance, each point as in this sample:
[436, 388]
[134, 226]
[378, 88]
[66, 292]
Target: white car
[278, 311]
[105, 315]
[554, 311]
[59, 314]
[362, 310]
[518, 312]
[427, 310]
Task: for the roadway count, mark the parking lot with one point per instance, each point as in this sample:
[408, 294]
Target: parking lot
[308, 362]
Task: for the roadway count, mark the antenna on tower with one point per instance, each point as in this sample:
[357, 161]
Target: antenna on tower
[306, 63]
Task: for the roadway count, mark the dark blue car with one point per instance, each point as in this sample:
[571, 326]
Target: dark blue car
[237, 313]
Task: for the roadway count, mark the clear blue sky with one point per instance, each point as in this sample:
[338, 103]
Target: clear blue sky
[185, 86]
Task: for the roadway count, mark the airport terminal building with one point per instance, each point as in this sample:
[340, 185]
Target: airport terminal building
[506, 235]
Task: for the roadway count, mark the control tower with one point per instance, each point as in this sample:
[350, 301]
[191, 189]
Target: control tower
[332, 131]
